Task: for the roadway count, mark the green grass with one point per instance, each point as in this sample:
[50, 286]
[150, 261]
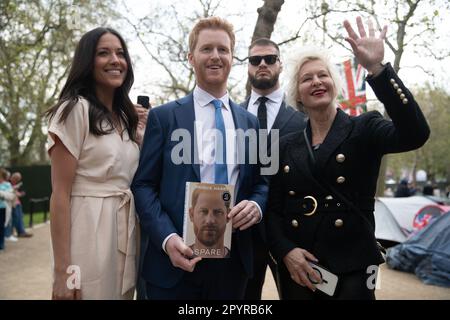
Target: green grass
[38, 217]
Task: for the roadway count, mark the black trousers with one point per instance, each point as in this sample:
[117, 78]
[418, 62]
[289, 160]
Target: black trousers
[212, 279]
[261, 259]
[351, 286]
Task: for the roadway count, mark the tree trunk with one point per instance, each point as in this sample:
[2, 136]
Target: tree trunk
[267, 16]
[43, 157]
[381, 178]
[14, 151]
[414, 167]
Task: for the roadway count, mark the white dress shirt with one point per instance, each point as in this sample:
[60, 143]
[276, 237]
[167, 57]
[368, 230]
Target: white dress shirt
[273, 105]
[205, 126]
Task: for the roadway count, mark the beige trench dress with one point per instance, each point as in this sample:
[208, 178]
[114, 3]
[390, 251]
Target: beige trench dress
[103, 221]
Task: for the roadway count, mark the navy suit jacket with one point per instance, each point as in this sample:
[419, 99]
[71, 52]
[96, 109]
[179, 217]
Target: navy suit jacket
[159, 187]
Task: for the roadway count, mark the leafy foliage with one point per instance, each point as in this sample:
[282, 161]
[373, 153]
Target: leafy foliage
[37, 41]
[434, 156]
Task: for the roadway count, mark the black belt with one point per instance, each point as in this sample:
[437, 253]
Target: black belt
[311, 204]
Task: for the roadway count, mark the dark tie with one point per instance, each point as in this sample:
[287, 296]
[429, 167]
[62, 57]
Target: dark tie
[262, 112]
[220, 163]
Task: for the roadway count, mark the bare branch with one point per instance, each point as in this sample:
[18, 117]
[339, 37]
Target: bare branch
[428, 72]
[242, 60]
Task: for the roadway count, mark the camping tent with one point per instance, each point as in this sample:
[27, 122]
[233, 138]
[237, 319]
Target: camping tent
[394, 217]
[426, 253]
[426, 214]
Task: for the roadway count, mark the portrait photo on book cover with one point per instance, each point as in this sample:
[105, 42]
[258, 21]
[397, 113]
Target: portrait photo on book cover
[207, 229]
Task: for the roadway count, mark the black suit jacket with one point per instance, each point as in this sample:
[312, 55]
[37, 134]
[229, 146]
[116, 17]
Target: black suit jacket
[288, 120]
[349, 160]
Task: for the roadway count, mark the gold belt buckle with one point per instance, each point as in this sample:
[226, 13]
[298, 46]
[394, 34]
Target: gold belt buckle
[315, 205]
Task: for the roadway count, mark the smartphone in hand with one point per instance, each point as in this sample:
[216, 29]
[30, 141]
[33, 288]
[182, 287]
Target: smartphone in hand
[329, 280]
[144, 101]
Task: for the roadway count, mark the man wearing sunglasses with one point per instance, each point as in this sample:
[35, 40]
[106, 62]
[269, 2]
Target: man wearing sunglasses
[267, 103]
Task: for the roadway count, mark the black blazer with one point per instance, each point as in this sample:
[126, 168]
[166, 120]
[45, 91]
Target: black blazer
[349, 160]
[288, 120]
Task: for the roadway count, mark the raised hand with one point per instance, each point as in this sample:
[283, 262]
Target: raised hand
[368, 50]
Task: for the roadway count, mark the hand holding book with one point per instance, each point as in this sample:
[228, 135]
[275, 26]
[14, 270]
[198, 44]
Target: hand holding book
[179, 254]
[244, 215]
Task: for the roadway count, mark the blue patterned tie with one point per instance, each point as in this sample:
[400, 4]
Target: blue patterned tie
[220, 164]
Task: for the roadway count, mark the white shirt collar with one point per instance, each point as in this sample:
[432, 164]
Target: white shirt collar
[275, 97]
[204, 98]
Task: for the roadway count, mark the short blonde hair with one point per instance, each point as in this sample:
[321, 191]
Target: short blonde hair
[296, 61]
[214, 23]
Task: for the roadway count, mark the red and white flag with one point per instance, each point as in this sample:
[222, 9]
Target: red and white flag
[353, 95]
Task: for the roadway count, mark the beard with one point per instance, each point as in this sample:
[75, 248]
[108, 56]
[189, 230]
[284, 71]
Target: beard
[209, 236]
[264, 83]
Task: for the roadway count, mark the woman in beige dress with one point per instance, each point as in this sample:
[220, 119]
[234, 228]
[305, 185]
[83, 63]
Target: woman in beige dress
[94, 135]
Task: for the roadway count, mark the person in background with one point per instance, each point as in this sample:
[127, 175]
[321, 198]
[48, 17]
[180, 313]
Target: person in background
[17, 213]
[7, 198]
[267, 103]
[403, 189]
[9, 235]
[428, 189]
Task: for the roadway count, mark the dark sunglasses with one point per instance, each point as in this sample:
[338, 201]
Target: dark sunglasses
[269, 59]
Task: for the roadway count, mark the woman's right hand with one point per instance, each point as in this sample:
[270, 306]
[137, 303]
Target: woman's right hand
[297, 263]
[368, 49]
[61, 290]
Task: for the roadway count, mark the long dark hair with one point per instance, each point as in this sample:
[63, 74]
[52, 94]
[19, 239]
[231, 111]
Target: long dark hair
[81, 83]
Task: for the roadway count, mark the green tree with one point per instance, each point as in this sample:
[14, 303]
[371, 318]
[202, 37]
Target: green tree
[434, 156]
[37, 40]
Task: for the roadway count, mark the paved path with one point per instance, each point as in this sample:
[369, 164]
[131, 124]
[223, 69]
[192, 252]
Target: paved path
[25, 267]
[25, 273]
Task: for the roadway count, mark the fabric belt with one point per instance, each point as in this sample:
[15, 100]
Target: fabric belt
[126, 223]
